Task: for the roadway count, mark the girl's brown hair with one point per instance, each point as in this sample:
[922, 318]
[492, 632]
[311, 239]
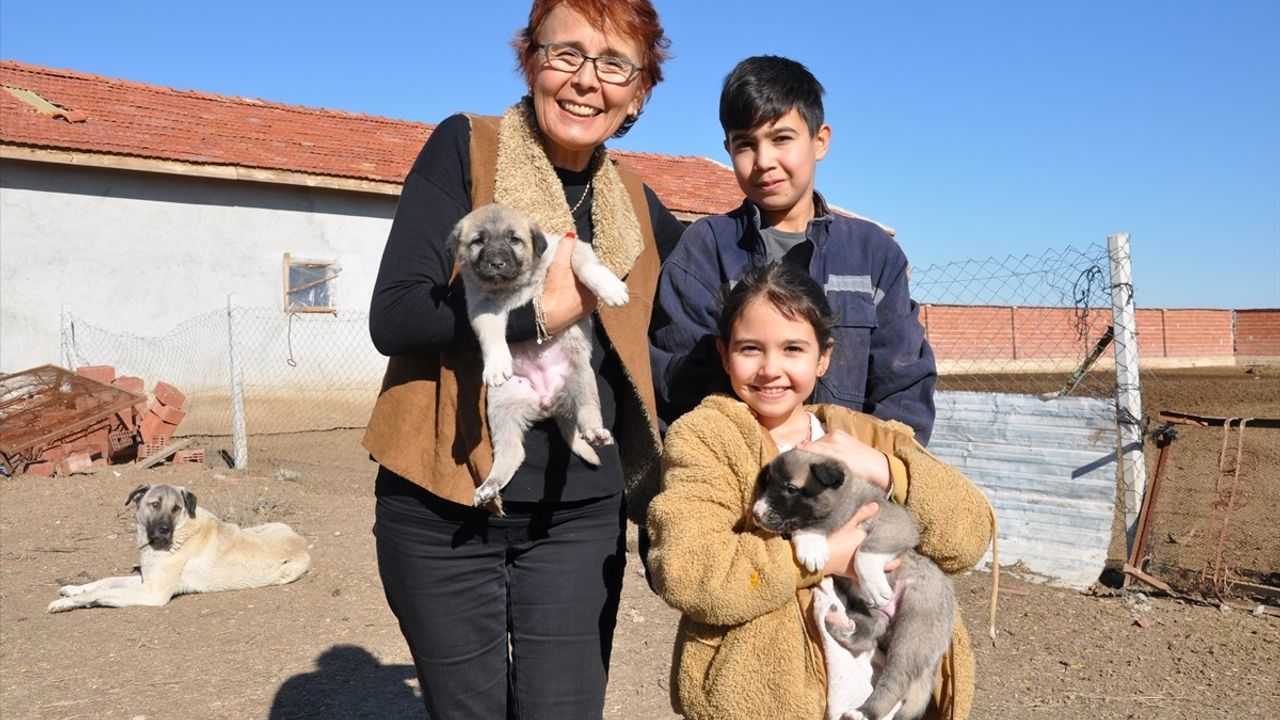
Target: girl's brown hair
[795, 294]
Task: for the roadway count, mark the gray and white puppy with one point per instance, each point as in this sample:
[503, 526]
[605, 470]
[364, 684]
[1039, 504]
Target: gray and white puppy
[503, 259]
[909, 612]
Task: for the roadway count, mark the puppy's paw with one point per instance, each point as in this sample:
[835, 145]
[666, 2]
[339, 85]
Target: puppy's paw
[811, 551]
[843, 635]
[498, 369]
[837, 620]
[486, 493]
[598, 437]
[70, 590]
[853, 715]
[61, 605]
[871, 576]
[613, 293]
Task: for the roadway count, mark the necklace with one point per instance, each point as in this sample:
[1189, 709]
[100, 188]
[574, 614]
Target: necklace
[574, 210]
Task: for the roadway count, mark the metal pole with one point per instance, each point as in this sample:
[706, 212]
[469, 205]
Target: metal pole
[64, 330]
[1128, 385]
[239, 441]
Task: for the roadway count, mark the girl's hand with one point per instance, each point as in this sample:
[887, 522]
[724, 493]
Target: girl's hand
[864, 460]
[843, 544]
[565, 300]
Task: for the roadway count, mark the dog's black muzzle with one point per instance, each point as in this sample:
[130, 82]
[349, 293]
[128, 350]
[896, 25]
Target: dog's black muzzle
[160, 535]
[497, 265]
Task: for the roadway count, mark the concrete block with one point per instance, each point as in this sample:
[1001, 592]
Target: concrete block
[189, 456]
[168, 413]
[153, 427]
[101, 373]
[40, 469]
[151, 447]
[54, 455]
[76, 462]
[131, 384]
[169, 395]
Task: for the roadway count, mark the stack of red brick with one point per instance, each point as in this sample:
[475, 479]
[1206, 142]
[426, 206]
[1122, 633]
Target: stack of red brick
[161, 419]
[125, 436]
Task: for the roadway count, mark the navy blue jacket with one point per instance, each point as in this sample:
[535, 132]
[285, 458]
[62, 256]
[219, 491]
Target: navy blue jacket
[881, 364]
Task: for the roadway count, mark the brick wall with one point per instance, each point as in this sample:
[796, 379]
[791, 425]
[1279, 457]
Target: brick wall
[977, 334]
[1258, 333]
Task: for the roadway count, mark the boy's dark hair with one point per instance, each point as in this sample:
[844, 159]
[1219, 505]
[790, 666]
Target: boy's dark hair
[762, 89]
[793, 292]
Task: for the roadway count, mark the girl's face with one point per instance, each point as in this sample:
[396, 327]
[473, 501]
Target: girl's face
[576, 111]
[773, 362]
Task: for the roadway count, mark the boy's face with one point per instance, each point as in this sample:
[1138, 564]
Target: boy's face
[775, 165]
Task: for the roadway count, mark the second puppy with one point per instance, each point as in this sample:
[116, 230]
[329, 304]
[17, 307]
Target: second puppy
[503, 259]
[909, 613]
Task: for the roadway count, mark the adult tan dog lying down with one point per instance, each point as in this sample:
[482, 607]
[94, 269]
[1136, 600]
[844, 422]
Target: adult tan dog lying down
[187, 549]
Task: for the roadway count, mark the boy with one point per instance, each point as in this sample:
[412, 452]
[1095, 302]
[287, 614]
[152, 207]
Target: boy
[771, 112]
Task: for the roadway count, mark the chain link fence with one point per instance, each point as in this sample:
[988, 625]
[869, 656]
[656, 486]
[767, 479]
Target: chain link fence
[1026, 324]
[1037, 324]
[250, 371]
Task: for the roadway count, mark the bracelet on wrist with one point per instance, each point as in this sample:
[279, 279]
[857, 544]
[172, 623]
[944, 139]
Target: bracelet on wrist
[540, 321]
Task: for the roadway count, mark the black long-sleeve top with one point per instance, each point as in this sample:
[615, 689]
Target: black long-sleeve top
[414, 311]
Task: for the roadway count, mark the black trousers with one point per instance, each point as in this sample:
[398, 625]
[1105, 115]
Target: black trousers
[506, 617]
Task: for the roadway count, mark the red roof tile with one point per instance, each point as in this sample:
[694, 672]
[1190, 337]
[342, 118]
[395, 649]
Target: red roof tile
[106, 115]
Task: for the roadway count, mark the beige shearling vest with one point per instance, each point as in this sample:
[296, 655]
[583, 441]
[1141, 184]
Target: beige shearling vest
[428, 424]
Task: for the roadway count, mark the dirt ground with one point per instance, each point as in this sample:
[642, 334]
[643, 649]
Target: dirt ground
[327, 647]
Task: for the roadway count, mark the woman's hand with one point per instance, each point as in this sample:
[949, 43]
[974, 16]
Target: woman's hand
[864, 460]
[565, 300]
[843, 544]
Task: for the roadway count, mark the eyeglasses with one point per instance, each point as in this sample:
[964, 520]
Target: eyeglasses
[610, 69]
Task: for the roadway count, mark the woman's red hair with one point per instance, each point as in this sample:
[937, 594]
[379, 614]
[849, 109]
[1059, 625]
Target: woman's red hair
[633, 19]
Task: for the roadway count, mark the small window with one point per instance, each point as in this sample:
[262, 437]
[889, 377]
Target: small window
[309, 285]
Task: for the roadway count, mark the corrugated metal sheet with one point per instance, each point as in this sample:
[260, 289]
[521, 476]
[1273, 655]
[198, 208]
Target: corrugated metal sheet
[1049, 467]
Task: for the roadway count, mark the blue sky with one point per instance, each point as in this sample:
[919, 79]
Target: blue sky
[977, 129]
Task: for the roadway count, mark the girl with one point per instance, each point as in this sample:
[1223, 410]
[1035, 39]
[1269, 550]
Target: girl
[748, 645]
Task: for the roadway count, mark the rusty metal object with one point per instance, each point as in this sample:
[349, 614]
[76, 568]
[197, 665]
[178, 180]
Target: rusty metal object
[1181, 418]
[1164, 437]
[1218, 575]
[48, 405]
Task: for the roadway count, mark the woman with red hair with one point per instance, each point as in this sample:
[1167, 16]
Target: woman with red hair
[512, 616]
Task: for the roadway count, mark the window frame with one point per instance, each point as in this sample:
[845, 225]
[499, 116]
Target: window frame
[333, 271]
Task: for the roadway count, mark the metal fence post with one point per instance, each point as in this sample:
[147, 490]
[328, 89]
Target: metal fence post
[1128, 385]
[239, 442]
[65, 336]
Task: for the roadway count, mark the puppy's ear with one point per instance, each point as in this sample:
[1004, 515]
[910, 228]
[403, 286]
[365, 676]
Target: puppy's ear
[136, 494]
[762, 479]
[828, 472]
[455, 238]
[539, 240]
[189, 499]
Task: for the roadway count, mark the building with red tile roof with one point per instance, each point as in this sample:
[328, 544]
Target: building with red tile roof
[65, 116]
[135, 209]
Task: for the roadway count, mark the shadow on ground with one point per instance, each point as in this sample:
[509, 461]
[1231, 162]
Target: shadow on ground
[349, 683]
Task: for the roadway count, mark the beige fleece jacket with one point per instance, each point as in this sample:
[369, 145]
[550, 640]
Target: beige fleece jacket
[745, 647]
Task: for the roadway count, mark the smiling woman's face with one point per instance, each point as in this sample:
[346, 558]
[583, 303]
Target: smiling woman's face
[576, 112]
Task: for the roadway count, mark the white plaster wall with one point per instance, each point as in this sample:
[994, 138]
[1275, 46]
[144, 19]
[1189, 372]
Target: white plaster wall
[140, 253]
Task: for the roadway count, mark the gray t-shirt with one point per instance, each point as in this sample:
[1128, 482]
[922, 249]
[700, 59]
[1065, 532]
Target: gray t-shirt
[778, 245]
